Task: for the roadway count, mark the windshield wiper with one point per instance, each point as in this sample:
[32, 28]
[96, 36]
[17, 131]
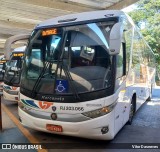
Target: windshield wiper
[73, 88]
[10, 82]
[59, 63]
[33, 93]
[67, 73]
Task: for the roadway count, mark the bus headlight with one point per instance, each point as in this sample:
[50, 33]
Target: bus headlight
[9, 91]
[12, 92]
[100, 112]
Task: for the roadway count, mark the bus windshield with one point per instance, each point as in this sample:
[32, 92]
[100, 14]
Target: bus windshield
[2, 69]
[68, 60]
[13, 69]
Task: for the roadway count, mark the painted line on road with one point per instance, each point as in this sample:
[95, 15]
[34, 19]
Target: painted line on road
[25, 132]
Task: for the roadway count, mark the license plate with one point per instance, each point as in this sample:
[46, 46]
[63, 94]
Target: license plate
[54, 128]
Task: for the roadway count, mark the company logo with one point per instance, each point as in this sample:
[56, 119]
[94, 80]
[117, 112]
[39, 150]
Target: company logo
[40, 105]
[14, 88]
[54, 108]
[44, 104]
[50, 98]
[93, 105]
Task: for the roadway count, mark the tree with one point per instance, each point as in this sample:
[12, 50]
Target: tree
[147, 17]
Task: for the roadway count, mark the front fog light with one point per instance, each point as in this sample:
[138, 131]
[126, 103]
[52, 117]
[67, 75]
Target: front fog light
[54, 116]
[100, 112]
[104, 130]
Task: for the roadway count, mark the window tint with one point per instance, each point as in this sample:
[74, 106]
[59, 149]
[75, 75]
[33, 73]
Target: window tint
[119, 70]
[128, 44]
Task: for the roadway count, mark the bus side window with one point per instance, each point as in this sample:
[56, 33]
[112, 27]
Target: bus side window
[121, 62]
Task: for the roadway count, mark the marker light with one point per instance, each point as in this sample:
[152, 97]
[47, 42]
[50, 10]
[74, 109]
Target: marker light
[100, 112]
[16, 98]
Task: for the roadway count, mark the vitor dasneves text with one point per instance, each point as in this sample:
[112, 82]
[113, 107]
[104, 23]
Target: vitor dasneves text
[144, 146]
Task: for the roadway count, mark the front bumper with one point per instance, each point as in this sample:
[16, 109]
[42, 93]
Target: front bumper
[10, 97]
[86, 129]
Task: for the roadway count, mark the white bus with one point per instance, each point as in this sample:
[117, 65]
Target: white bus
[2, 71]
[91, 73]
[12, 74]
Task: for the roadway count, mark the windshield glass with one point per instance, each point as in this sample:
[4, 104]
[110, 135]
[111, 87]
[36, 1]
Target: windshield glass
[68, 60]
[13, 69]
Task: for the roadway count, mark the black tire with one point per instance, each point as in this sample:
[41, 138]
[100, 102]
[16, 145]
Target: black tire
[150, 96]
[132, 112]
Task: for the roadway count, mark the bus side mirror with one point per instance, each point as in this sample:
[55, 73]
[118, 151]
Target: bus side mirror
[116, 36]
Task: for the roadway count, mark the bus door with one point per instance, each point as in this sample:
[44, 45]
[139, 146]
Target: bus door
[121, 113]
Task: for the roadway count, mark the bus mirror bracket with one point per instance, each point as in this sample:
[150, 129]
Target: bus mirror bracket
[116, 36]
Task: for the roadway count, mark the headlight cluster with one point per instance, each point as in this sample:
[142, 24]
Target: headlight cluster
[13, 92]
[100, 112]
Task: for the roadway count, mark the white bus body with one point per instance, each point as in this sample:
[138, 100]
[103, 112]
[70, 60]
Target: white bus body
[103, 73]
[12, 75]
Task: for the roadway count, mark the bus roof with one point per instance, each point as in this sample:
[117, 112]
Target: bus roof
[19, 49]
[79, 17]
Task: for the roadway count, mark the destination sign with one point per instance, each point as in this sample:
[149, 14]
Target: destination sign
[49, 32]
[18, 54]
[3, 61]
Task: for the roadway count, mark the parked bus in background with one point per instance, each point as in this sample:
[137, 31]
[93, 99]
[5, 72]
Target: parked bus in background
[91, 73]
[12, 74]
[13, 71]
[2, 71]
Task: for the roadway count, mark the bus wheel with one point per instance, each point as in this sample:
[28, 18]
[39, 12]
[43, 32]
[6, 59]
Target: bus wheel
[149, 98]
[131, 113]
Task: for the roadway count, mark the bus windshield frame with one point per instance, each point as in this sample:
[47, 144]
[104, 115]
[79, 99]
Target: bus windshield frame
[13, 69]
[69, 63]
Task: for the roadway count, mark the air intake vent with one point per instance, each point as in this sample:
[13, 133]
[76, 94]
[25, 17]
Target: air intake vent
[109, 15]
[67, 20]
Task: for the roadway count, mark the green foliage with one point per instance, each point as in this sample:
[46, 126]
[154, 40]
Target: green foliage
[147, 18]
